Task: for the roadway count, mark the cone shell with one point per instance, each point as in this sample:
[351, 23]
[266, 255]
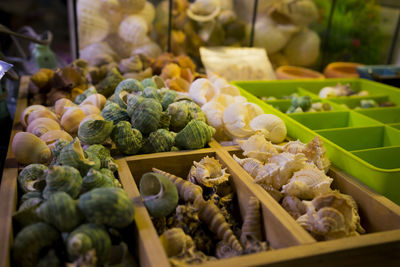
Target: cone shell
[42, 125]
[133, 29]
[28, 148]
[98, 100]
[71, 119]
[52, 136]
[27, 111]
[95, 131]
[42, 113]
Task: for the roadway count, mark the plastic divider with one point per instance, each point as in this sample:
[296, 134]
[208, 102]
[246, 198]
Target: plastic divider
[386, 115]
[383, 157]
[354, 102]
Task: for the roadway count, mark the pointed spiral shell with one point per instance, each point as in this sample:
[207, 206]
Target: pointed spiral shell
[252, 221]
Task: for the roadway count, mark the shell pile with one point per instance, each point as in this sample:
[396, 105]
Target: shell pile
[230, 114]
[295, 174]
[201, 226]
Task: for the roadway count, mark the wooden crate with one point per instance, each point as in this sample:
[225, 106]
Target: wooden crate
[292, 244]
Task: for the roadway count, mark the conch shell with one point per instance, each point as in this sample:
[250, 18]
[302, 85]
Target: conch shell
[308, 183]
[208, 172]
[252, 221]
[28, 148]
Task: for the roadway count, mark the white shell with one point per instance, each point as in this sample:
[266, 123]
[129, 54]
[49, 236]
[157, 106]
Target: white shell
[92, 26]
[148, 13]
[307, 184]
[303, 48]
[133, 29]
[223, 86]
[149, 49]
[237, 117]
[202, 91]
[251, 166]
[97, 54]
[204, 10]
[315, 153]
[208, 172]
[288, 164]
[272, 124]
[294, 206]
[214, 111]
[293, 147]
[268, 174]
[257, 147]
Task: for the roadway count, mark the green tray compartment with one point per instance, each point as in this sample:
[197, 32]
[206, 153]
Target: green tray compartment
[332, 119]
[386, 115]
[363, 137]
[385, 158]
[353, 102]
[284, 105]
[395, 125]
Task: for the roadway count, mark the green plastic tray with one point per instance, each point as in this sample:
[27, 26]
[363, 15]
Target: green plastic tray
[354, 102]
[363, 142]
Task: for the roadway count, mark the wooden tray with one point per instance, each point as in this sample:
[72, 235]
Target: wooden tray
[291, 243]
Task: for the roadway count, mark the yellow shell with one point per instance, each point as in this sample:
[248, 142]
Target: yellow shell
[28, 149]
[62, 104]
[42, 125]
[71, 119]
[89, 109]
[97, 100]
[174, 241]
[42, 113]
[52, 136]
[27, 111]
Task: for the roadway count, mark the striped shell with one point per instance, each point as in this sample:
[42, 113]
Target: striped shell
[97, 100]
[133, 29]
[89, 109]
[152, 92]
[95, 179]
[80, 98]
[294, 206]
[41, 113]
[208, 172]
[250, 165]
[41, 126]
[268, 174]
[146, 116]
[71, 119]
[155, 81]
[169, 97]
[113, 112]
[62, 178]
[62, 106]
[288, 164]
[195, 135]
[27, 111]
[30, 176]
[95, 131]
[104, 156]
[252, 221]
[127, 86]
[127, 140]
[161, 140]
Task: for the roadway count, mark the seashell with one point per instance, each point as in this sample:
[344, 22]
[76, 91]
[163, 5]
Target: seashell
[257, 147]
[186, 190]
[178, 84]
[80, 98]
[294, 206]
[109, 206]
[308, 183]
[133, 29]
[195, 135]
[300, 13]
[27, 111]
[155, 81]
[148, 13]
[28, 148]
[30, 178]
[224, 251]
[159, 194]
[165, 121]
[89, 237]
[315, 153]
[95, 131]
[214, 111]
[202, 91]
[52, 136]
[104, 155]
[151, 92]
[268, 174]
[71, 119]
[42, 78]
[182, 112]
[31, 240]
[251, 166]
[293, 147]
[128, 86]
[73, 155]
[107, 86]
[75, 92]
[161, 140]
[132, 6]
[113, 112]
[303, 48]
[173, 241]
[187, 75]
[97, 100]
[288, 164]
[131, 64]
[91, 117]
[92, 26]
[276, 194]
[95, 179]
[252, 221]
[42, 125]
[212, 216]
[146, 116]
[61, 106]
[237, 117]
[204, 10]
[169, 97]
[98, 54]
[272, 124]
[42, 113]
[148, 49]
[64, 221]
[208, 172]
[121, 47]
[62, 179]
[127, 140]
[89, 109]
[170, 70]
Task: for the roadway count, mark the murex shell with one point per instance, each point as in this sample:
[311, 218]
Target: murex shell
[250, 165]
[208, 172]
[257, 147]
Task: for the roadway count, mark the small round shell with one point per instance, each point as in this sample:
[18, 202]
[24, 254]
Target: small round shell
[27, 111]
[174, 241]
[159, 194]
[71, 119]
[62, 178]
[95, 131]
[146, 116]
[41, 113]
[127, 140]
[97, 100]
[113, 112]
[161, 140]
[127, 86]
[30, 176]
[28, 148]
[195, 135]
[133, 29]
[89, 109]
[271, 123]
[62, 104]
[41, 126]
[52, 136]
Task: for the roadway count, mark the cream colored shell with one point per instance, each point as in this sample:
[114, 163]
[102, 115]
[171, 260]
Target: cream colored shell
[133, 29]
[97, 100]
[62, 105]
[42, 113]
[51, 137]
[202, 91]
[71, 119]
[208, 172]
[149, 49]
[28, 148]
[251, 166]
[89, 109]
[27, 111]
[294, 206]
[42, 125]
[288, 164]
[256, 146]
[316, 154]
[272, 124]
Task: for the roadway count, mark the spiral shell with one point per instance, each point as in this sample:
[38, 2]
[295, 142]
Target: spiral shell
[133, 29]
[174, 241]
[269, 175]
[89, 109]
[27, 111]
[104, 156]
[208, 172]
[95, 131]
[80, 98]
[28, 148]
[294, 206]
[274, 125]
[315, 153]
[124, 88]
[250, 165]
[113, 112]
[42, 125]
[257, 147]
[204, 10]
[52, 136]
[161, 140]
[288, 164]
[95, 179]
[127, 140]
[182, 112]
[62, 105]
[97, 100]
[41, 113]
[187, 190]
[149, 49]
[252, 221]
[195, 135]
[30, 176]
[146, 116]
[71, 119]
[62, 178]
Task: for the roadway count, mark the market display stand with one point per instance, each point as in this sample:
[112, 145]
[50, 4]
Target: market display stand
[290, 243]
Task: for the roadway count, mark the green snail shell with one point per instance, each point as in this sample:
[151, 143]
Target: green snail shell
[146, 116]
[62, 178]
[95, 179]
[159, 194]
[127, 140]
[107, 86]
[34, 194]
[134, 102]
[60, 211]
[113, 112]
[92, 157]
[159, 141]
[95, 131]
[109, 206]
[31, 176]
[155, 81]
[151, 92]
[110, 174]
[30, 241]
[87, 237]
[165, 121]
[124, 88]
[30, 202]
[169, 97]
[182, 112]
[104, 155]
[50, 259]
[56, 150]
[195, 135]
[74, 156]
[80, 98]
